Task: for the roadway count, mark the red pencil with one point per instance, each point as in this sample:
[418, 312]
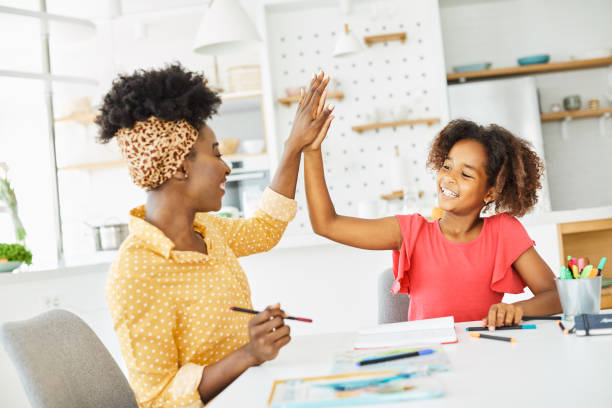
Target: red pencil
[243, 310]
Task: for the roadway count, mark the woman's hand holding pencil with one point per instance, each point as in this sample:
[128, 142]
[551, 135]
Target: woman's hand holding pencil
[243, 310]
[268, 334]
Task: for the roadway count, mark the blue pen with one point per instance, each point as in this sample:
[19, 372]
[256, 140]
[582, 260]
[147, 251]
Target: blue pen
[375, 360]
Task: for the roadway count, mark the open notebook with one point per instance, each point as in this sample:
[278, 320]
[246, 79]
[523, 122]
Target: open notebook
[414, 333]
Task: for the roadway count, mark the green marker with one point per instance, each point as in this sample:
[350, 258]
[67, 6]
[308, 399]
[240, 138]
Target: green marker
[601, 265]
[564, 272]
[586, 272]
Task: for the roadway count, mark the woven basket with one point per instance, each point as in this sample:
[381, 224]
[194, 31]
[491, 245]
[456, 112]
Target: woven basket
[228, 146]
[244, 78]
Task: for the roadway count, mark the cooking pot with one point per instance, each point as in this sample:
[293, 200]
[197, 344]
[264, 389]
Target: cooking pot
[110, 236]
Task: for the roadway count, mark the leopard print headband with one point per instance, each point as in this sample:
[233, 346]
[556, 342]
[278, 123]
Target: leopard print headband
[154, 149]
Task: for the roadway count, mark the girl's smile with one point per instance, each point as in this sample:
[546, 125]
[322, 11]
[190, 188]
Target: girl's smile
[462, 180]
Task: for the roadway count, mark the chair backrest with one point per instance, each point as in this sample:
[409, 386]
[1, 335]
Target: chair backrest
[391, 308]
[62, 363]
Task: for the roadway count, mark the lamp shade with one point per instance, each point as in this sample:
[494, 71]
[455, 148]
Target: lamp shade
[347, 44]
[225, 29]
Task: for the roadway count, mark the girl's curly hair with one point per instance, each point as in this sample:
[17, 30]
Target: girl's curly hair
[513, 168]
[171, 93]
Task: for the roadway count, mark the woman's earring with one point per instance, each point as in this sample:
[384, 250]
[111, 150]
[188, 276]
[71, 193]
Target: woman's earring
[186, 176]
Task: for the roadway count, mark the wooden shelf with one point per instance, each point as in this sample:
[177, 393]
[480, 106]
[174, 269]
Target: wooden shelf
[372, 39]
[580, 114]
[530, 69]
[585, 226]
[242, 155]
[241, 95]
[427, 121]
[588, 239]
[287, 101]
[121, 163]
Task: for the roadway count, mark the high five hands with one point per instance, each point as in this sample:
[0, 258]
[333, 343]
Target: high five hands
[312, 119]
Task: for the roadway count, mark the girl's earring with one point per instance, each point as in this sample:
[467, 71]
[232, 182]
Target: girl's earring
[186, 176]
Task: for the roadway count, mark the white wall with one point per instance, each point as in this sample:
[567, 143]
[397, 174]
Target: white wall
[500, 31]
[384, 78]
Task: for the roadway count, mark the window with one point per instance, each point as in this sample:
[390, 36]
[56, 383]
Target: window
[32, 91]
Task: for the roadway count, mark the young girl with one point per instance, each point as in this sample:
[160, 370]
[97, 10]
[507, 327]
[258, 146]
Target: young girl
[461, 264]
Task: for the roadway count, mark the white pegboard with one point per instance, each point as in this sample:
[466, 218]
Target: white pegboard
[387, 76]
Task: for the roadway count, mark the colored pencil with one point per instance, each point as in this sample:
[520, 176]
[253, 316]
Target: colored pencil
[562, 327]
[519, 327]
[500, 338]
[243, 310]
[525, 318]
[376, 360]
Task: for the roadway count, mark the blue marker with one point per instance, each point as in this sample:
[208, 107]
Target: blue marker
[601, 265]
[375, 360]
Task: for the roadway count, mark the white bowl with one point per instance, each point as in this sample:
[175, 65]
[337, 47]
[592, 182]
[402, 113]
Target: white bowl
[253, 146]
[595, 53]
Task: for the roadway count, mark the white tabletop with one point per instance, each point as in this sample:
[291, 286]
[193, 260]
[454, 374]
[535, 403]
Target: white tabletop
[543, 367]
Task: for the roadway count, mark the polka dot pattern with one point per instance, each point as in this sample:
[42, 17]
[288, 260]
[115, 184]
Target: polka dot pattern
[170, 309]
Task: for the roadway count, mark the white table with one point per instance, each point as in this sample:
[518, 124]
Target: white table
[544, 368]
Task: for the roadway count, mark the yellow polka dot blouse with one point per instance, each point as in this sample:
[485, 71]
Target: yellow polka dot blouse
[170, 309]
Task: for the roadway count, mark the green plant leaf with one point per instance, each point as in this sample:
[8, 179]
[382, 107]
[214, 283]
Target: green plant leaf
[15, 252]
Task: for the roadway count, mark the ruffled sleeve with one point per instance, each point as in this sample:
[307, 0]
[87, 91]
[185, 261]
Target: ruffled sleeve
[263, 230]
[513, 242]
[410, 226]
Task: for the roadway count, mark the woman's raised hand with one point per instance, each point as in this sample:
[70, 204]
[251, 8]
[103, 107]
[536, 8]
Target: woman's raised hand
[312, 118]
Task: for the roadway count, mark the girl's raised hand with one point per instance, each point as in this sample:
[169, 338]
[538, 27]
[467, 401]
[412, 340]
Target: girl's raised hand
[311, 117]
[503, 314]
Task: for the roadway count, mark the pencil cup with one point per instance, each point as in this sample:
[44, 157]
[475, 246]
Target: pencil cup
[579, 296]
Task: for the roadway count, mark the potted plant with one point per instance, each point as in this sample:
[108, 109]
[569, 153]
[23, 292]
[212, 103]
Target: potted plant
[7, 196]
[12, 255]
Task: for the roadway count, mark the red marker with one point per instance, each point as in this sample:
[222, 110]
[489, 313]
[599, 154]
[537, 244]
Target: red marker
[243, 310]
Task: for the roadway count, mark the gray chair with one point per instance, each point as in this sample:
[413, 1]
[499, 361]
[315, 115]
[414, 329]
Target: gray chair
[62, 363]
[391, 308]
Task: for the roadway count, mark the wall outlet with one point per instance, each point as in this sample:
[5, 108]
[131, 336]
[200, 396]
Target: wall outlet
[52, 302]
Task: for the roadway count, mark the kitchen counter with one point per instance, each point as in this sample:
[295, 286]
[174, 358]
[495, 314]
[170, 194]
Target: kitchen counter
[560, 217]
[52, 273]
[103, 260]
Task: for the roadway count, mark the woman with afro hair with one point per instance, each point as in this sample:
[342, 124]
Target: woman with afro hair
[176, 276]
[461, 264]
